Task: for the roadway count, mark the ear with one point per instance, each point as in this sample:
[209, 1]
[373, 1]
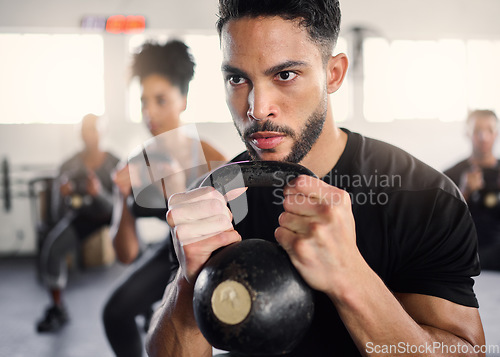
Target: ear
[184, 104]
[336, 70]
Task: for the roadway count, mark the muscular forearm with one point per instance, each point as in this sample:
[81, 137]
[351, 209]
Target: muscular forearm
[173, 330]
[377, 321]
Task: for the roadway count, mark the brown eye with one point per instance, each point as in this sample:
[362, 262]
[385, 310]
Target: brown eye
[286, 76]
[236, 80]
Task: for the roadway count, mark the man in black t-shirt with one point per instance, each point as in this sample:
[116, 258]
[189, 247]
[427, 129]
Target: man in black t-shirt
[396, 243]
[386, 242]
[478, 178]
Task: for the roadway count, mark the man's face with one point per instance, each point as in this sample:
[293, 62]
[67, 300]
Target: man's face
[483, 132]
[275, 86]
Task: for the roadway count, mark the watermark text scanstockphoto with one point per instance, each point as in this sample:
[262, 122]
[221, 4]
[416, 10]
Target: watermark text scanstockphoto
[438, 348]
[363, 189]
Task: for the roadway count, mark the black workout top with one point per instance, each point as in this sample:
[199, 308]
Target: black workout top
[486, 214]
[413, 229]
[75, 170]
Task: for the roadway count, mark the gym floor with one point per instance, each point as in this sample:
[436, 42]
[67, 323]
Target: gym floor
[22, 300]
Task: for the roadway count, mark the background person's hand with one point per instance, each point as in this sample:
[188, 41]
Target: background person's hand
[66, 188]
[471, 181]
[94, 186]
[121, 178]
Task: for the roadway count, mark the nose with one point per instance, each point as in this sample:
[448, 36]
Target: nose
[261, 104]
[483, 135]
[146, 110]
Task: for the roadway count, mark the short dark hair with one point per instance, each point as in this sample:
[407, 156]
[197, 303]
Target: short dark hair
[321, 18]
[481, 113]
[172, 60]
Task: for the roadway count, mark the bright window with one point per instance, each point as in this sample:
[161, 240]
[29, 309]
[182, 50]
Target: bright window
[483, 74]
[429, 79]
[50, 78]
[206, 98]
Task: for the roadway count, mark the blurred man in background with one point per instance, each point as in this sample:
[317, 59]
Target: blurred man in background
[479, 181]
[83, 203]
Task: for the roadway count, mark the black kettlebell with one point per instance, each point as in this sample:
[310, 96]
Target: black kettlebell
[249, 298]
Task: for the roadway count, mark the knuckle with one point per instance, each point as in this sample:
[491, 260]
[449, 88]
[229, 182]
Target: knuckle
[172, 200]
[170, 218]
[346, 198]
[325, 209]
[278, 233]
[283, 232]
[283, 219]
[299, 246]
[339, 197]
[176, 198]
[215, 205]
[314, 228]
[222, 221]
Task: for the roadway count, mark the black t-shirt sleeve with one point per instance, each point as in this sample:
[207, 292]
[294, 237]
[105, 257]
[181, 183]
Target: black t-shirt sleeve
[439, 246]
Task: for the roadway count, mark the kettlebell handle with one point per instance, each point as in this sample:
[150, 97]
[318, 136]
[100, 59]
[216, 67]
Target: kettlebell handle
[254, 174]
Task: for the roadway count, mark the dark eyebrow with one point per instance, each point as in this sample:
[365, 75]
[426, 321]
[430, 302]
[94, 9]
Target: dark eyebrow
[270, 71]
[230, 69]
[283, 66]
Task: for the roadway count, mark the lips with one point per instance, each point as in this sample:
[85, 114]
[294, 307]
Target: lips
[266, 140]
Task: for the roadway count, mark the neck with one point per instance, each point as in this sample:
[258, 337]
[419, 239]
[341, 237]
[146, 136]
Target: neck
[328, 148]
[91, 150]
[483, 160]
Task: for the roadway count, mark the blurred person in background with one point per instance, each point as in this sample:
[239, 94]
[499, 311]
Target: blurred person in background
[478, 178]
[164, 72]
[83, 203]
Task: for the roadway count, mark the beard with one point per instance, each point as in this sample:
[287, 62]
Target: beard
[303, 141]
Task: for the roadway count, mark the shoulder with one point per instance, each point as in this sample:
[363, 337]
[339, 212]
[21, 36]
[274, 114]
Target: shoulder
[211, 153]
[72, 162]
[372, 157]
[111, 158]
[457, 169]
[425, 222]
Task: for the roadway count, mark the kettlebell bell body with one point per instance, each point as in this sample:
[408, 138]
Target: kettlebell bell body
[249, 298]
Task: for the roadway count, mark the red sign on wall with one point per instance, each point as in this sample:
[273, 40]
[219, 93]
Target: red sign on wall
[115, 24]
[125, 24]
